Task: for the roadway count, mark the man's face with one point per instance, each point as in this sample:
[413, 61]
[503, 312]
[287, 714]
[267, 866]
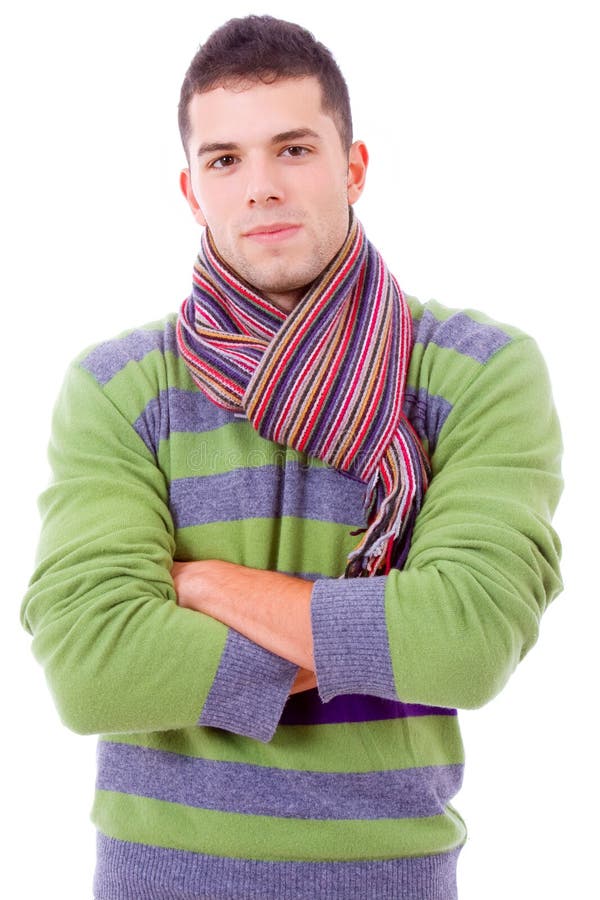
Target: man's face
[269, 177]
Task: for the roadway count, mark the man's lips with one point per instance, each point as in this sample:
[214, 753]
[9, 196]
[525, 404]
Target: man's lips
[279, 231]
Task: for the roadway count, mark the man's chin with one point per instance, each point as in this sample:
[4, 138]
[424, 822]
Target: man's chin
[279, 285]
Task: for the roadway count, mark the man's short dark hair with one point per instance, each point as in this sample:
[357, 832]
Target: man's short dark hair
[262, 48]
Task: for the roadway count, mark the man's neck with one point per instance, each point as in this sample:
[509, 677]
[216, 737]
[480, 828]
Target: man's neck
[288, 301]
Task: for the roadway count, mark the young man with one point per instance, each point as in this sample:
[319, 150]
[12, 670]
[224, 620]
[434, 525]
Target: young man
[292, 529]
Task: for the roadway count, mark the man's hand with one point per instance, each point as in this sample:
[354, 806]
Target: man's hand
[305, 681]
[269, 608]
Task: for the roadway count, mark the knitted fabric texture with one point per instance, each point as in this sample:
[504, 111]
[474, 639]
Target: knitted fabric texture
[327, 378]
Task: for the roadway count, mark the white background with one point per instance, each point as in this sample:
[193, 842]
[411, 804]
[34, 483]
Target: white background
[481, 119]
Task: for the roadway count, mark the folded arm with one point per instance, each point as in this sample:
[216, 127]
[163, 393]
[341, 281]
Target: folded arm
[449, 629]
[119, 653]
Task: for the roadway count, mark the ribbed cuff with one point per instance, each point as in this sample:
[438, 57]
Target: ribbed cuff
[127, 871]
[351, 646]
[249, 691]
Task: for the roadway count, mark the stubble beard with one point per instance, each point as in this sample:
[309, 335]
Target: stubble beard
[280, 275]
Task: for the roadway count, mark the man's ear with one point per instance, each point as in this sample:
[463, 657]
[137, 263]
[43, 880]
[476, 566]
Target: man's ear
[185, 183]
[358, 160]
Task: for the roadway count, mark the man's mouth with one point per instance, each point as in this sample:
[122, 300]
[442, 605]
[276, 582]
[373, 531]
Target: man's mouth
[268, 234]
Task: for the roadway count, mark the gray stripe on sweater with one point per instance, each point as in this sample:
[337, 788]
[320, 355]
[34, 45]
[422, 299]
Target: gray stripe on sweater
[266, 791]
[461, 333]
[427, 413]
[319, 493]
[107, 359]
[176, 410]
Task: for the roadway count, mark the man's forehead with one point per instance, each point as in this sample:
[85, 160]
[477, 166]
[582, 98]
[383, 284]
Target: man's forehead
[232, 110]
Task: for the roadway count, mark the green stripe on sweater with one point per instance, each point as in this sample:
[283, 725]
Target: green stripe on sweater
[163, 824]
[303, 545]
[227, 448]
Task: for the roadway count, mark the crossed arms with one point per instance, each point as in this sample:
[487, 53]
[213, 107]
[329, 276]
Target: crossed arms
[125, 649]
[270, 609]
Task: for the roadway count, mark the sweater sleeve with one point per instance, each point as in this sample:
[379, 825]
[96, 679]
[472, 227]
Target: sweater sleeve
[118, 652]
[450, 628]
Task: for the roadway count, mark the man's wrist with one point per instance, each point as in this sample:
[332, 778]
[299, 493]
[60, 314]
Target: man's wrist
[270, 608]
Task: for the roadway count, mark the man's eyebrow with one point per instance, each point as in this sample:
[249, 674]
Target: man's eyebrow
[216, 147]
[295, 134]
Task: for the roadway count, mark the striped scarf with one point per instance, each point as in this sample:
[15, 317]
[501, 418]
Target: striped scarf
[326, 379]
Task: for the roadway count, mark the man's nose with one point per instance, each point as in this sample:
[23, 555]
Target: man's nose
[263, 184]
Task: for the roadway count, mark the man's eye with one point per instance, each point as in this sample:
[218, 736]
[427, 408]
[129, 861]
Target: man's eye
[296, 151]
[223, 162]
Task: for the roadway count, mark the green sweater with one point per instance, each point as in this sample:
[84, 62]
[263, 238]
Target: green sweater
[212, 780]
